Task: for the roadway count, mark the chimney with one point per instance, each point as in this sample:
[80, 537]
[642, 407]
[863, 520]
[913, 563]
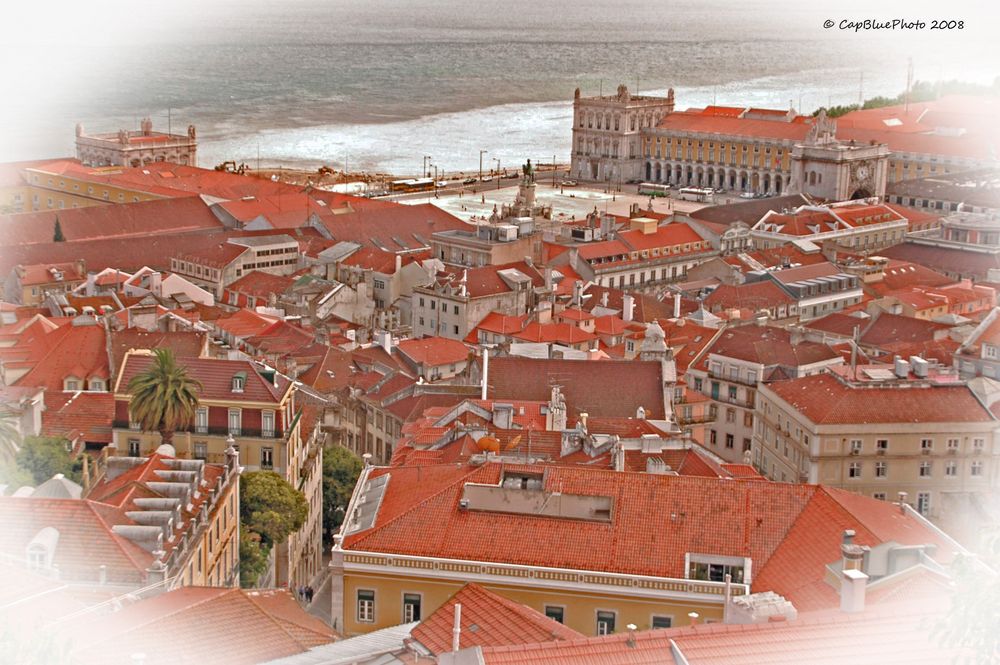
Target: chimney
[548, 278]
[583, 420]
[399, 262]
[91, 284]
[852, 591]
[853, 556]
[901, 367]
[486, 371]
[677, 305]
[604, 299]
[628, 307]
[156, 284]
[456, 631]
[902, 502]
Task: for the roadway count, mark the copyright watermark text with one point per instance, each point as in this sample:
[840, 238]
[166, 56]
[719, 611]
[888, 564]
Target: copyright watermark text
[871, 24]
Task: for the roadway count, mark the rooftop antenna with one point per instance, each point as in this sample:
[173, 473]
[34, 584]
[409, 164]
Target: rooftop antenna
[715, 91]
[861, 87]
[854, 353]
[601, 89]
[169, 126]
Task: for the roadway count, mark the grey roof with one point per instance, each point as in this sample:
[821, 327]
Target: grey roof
[257, 241]
[58, 487]
[374, 647]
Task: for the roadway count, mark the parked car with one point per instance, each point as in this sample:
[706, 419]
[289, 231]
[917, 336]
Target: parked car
[747, 195]
[468, 181]
[487, 178]
[568, 183]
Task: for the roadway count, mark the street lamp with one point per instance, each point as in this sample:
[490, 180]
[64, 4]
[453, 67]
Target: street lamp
[497, 160]
[427, 158]
[481, 153]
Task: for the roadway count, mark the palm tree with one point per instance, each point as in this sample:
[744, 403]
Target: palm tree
[164, 397]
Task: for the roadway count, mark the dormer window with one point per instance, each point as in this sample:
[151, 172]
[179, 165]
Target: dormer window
[239, 381]
[71, 383]
[37, 557]
[97, 385]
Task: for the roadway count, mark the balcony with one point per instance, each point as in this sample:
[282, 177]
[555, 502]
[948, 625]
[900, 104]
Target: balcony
[244, 432]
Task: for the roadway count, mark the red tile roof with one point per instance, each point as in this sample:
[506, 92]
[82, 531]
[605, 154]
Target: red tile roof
[246, 323]
[78, 351]
[216, 377]
[434, 351]
[261, 284]
[755, 296]
[373, 258]
[946, 259]
[497, 620]
[711, 123]
[790, 531]
[217, 624]
[184, 344]
[45, 273]
[86, 540]
[769, 346]
[87, 415]
[893, 329]
[606, 388]
[131, 220]
[557, 333]
[825, 400]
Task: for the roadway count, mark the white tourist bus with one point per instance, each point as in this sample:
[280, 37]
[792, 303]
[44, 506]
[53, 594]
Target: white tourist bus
[654, 189]
[700, 194]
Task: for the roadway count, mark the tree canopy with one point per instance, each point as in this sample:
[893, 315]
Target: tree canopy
[43, 457]
[57, 232]
[164, 397]
[270, 507]
[341, 469]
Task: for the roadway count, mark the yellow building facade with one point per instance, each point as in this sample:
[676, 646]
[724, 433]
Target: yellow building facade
[372, 591]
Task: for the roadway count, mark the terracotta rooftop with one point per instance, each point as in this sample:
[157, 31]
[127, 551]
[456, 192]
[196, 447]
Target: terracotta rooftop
[216, 377]
[434, 351]
[825, 400]
[790, 531]
[755, 296]
[217, 624]
[606, 388]
[86, 540]
[129, 220]
[497, 620]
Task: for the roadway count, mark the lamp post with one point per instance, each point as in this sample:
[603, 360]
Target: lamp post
[497, 160]
[481, 153]
[427, 158]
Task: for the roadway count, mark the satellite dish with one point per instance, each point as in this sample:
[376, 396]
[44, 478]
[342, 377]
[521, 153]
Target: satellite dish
[513, 442]
[489, 444]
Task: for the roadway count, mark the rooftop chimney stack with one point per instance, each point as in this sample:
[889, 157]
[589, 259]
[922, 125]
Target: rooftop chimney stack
[456, 631]
[628, 307]
[902, 502]
[852, 591]
[677, 305]
[853, 556]
[486, 371]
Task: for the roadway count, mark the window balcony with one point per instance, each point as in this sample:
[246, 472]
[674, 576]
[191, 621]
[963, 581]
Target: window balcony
[245, 432]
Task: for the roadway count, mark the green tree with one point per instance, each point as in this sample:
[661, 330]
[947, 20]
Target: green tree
[253, 558]
[271, 507]
[57, 234]
[341, 469]
[44, 457]
[164, 397]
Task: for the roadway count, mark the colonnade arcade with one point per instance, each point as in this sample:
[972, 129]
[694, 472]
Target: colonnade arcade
[762, 181]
